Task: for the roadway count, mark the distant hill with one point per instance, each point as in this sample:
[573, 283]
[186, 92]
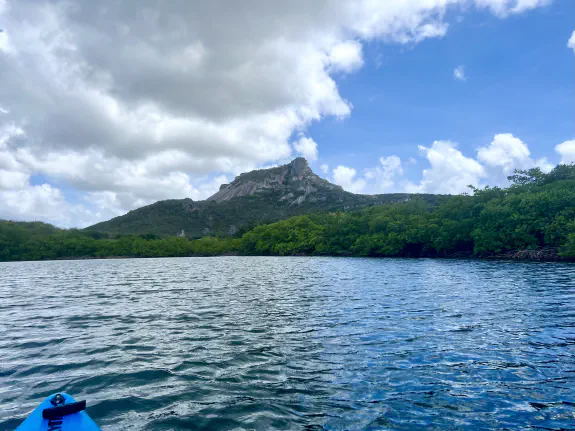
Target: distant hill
[14, 234]
[252, 198]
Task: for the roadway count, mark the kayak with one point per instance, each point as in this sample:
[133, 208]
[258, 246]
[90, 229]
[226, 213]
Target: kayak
[59, 412]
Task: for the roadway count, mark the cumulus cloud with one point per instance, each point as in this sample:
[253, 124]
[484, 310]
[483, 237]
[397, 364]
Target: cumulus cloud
[505, 154]
[567, 151]
[384, 176]
[324, 168]
[459, 73]
[571, 42]
[345, 177]
[346, 56]
[42, 203]
[450, 172]
[307, 148]
[128, 108]
[11, 180]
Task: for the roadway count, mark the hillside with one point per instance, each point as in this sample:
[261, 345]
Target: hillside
[533, 218]
[253, 198]
[14, 234]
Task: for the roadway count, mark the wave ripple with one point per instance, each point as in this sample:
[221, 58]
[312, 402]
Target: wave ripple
[235, 343]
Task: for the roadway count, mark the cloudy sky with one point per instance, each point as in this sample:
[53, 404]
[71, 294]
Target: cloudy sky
[106, 106]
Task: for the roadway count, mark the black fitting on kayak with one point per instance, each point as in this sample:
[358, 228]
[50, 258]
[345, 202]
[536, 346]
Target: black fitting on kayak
[64, 410]
[58, 399]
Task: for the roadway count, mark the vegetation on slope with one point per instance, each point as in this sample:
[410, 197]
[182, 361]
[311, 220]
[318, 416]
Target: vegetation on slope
[533, 218]
[198, 219]
[253, 198]
[14, 236]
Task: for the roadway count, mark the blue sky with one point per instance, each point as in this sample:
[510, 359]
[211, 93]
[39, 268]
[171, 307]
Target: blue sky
[105, 107]
[520, 79]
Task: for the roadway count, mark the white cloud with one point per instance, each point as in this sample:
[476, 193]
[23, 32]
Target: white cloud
[544, 164]
[524, 5]
[3, 40]
[503, 8]
[506, 152]
[13, 175]
[178, 100]
[345, 177]
[459, 73]
[324, 168]
[43, 203]
[385, 175]
[450, 172]
[571, 42]
[346, 56]
[9, 131]
[13, 180]
[504, 155]
[567, 151]
[307, 148]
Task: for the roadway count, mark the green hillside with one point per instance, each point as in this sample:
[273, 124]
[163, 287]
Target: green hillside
[13, 236]
[253, 198]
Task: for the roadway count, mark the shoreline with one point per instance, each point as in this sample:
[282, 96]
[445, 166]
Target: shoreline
[515, 256]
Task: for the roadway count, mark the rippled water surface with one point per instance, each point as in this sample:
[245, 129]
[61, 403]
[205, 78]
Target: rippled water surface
[237, 343]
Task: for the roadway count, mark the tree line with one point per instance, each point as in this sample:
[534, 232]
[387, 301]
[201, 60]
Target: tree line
[534, 217]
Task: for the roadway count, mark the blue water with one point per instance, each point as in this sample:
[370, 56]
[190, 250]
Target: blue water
[235, 343]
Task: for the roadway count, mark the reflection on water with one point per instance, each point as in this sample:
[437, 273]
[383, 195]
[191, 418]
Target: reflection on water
[292, 343]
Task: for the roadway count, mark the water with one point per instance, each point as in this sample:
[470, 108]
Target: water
[236, 343]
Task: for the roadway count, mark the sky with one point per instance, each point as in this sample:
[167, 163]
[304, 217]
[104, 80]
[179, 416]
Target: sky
[108, 106]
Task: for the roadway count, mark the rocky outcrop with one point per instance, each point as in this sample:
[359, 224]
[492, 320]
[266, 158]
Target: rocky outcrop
[293, 183]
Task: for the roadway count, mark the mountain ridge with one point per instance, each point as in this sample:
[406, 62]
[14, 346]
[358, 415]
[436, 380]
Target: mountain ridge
[254, 197]
[295, 175]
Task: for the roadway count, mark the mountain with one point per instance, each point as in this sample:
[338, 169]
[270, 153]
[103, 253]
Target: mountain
[292, 183]
[254, 197]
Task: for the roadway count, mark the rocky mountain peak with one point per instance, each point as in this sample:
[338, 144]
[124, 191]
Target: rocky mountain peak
[299, 167]
[293, 183]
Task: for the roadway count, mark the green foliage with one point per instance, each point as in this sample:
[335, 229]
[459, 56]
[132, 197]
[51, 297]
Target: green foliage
[297, 235]
[537, 211]
[26, 241]
[568, 249]
[238, 215]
